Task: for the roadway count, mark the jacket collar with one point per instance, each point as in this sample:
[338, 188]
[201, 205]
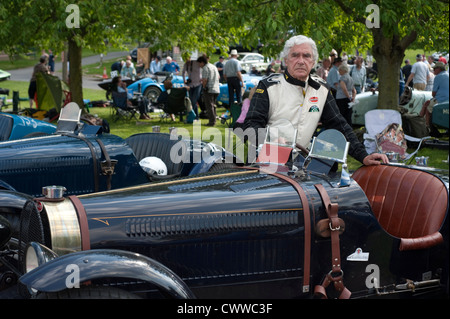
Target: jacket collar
[295, 81]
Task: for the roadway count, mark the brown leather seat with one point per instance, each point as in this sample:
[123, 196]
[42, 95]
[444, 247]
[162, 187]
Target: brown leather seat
[409, 204]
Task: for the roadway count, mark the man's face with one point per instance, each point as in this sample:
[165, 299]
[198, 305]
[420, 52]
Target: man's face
[436, 71]
[300, 61]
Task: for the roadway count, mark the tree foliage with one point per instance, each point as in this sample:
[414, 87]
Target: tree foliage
[206, 25]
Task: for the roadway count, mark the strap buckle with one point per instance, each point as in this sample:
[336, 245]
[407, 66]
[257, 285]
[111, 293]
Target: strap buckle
[334, 229]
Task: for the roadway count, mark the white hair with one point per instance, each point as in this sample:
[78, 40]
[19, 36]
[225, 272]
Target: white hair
[343, 67]
[297, 40]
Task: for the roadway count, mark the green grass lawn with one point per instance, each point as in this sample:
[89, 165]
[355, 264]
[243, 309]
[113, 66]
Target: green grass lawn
[217, 136]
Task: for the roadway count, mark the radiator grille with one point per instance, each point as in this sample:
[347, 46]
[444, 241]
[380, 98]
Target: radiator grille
[31, 229]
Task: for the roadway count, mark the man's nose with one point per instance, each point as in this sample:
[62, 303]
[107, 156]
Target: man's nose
[301, 60]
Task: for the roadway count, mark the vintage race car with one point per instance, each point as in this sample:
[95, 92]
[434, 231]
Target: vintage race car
[278, 229]
[411, 100]
[4, 75]
[150, 86]
[250, 81]
[84, 159]
[14, 127]
[248, 60]
[440, 115]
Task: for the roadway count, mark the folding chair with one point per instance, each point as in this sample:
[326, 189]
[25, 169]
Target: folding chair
[121, 108]
[174, 103]
[235, 111]
[376, 121]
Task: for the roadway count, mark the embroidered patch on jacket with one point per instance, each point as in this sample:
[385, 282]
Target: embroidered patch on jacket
[259, 91]
[314, 99]
[314, 108]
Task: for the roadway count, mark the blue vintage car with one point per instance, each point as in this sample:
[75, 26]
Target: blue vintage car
[268, 231]
[151, 87]
[250, 81]
[440, 115]
[14, 127]
[84, 159]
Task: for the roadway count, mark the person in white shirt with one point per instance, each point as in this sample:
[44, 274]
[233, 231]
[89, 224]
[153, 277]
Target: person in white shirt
[155, 65]
[419, 73]
[358, 74]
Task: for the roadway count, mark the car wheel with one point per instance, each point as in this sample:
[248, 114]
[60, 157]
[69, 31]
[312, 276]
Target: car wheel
[372, 74]
[88, 293]
[152, 93]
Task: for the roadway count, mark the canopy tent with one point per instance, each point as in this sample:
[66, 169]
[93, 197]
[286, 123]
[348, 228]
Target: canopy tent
[49, 92]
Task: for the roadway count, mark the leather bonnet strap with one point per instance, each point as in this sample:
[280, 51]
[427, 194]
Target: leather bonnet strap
[307, 222]
[336, 274]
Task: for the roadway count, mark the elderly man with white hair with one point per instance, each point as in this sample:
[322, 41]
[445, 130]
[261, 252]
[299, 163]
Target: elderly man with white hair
[171, 66]
[302, 99]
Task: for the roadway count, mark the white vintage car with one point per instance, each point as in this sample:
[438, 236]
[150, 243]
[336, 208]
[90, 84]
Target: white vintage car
[250, 59]
[412, 100]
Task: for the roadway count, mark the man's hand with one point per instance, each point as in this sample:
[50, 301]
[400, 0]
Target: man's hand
[374, 159]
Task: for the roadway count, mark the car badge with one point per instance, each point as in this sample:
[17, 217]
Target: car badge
[358, 255]
[314, 99]
[314, 108]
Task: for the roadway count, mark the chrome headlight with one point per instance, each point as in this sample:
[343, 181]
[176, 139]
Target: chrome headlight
[64, 226]
[37, 255]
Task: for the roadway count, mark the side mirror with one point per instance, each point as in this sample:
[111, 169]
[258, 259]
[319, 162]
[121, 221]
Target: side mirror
[5, 231]
[69, 118]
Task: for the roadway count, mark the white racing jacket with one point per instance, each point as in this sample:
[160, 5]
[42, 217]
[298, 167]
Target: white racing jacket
[305, 105]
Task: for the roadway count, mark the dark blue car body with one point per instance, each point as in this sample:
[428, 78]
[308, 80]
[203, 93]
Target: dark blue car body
[87, 162]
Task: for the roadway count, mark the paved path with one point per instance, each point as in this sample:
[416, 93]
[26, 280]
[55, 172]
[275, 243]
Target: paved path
[24, 74]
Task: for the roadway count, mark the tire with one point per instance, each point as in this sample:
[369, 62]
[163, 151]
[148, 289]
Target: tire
[372, 74]
[88, 293]
[152, 93]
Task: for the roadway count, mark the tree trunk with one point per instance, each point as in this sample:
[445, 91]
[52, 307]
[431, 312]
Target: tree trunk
[389, 54]
[75, 73]
[65, 73]
[388, 81]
